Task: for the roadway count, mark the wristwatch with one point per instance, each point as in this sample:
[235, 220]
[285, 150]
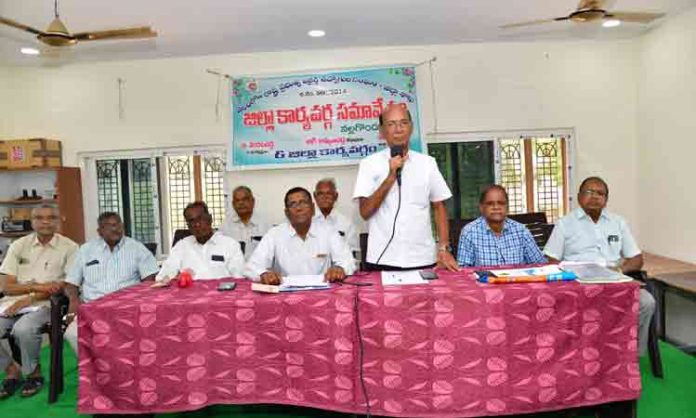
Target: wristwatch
[444, 247]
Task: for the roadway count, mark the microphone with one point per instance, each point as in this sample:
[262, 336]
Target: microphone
[397, 150]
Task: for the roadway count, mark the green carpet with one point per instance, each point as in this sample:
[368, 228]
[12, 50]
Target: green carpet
[673, 397]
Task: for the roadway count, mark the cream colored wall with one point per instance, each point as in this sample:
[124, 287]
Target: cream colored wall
[588, 86]
[5, 79]
[667, 139]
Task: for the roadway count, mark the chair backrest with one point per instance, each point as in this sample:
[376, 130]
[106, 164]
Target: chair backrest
[541, 233]
[455, 229]
[152, 246]
[529, 218]
[180, 234]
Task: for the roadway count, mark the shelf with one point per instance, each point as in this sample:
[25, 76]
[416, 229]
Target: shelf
[27, 201]
[14, 234]
[28, 169]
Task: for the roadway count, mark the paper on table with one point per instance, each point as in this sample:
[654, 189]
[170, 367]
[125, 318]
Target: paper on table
[595, 273]
[395, 278]
[306, 281]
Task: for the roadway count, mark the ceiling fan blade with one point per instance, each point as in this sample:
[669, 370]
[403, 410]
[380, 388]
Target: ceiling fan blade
[130, 33]
[10, 22]
[532, 22]
[634, 17]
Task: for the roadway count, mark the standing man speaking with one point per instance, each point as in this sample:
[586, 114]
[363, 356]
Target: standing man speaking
[396, 188]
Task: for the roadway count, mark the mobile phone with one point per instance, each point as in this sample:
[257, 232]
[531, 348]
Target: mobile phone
[226, 286]
[428, 274]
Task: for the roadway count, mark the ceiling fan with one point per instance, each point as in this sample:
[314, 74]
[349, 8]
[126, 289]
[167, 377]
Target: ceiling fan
[57, 34]
[591, 11]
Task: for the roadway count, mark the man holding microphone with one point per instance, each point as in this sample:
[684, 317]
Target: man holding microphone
[396, 188]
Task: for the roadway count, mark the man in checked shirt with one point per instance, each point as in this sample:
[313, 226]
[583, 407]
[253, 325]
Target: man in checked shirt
[493, 239]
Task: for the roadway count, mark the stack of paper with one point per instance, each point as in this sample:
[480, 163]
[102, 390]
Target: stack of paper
[395, 278]
[303, 282]
[594, 273]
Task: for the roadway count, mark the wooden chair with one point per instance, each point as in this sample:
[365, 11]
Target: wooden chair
[529, 218]
[180, 234]
[541, 233]
[534, 221]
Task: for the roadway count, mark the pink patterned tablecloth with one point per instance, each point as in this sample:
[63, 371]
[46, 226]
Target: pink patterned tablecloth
[450, 348]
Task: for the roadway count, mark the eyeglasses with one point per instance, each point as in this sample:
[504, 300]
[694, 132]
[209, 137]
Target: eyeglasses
[491, 203]
[45, 218]
[403, 123]
[298, 204]
[199, 219]
[597, 193]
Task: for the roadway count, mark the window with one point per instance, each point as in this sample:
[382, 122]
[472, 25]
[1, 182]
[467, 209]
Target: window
[132, 186]
[532, 168]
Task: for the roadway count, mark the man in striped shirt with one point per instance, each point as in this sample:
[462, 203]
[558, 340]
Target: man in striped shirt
[104, 265]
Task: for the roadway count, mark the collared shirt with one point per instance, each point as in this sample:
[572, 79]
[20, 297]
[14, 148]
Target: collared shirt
[218, 258]
[576, 237]
[98, 270]
[480, 246]
[250, 233]
[422, 183]
[283, 251]
[342, 225]
[31, 262]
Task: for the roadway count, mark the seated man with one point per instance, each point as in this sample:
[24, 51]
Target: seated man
[325, 195]
[591, 233]
[243, 225]
[34, 266]
[206, 253]
[300, 247]
[105, 265]
[493, 239]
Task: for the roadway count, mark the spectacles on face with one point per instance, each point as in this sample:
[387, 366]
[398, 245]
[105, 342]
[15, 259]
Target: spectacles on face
[196, 220]
[49, 218]
[594, 193]
[393, 124]
[298, 204]
[325, 193]
[492, 203]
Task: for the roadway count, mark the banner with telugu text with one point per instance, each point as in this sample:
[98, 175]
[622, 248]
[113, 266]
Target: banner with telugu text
[327, 117]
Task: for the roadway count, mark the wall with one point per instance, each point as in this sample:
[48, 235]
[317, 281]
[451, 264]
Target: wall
[666, 138]
[6, 75]
[588, 86]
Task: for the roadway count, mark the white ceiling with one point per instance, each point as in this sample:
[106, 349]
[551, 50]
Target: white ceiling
[200, 27]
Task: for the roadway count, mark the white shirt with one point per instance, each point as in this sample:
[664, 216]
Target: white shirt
[283, 251]
[576, 237]
[422, 183]
[249, 233]
[218, 258]
[342, 225]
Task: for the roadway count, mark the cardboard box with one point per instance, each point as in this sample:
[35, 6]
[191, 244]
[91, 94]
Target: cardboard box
[20, 214]
[30, 153]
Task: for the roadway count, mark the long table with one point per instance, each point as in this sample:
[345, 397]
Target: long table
[452, 347]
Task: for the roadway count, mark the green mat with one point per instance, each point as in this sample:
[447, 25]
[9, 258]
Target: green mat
[672, 397]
